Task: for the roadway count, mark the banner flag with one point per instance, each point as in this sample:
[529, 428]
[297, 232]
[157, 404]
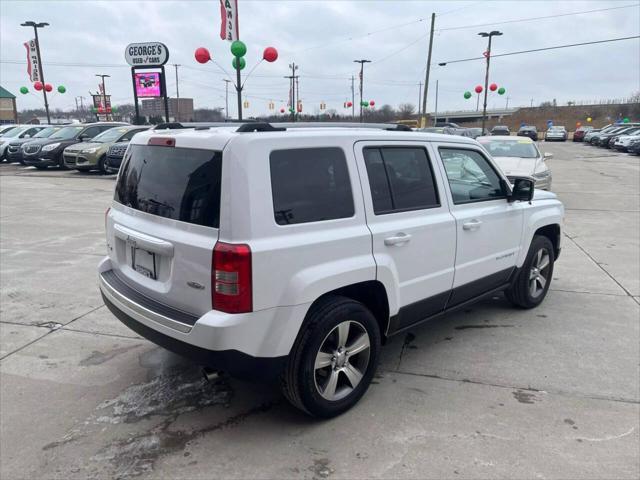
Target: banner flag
[229, 29]
[33, 69]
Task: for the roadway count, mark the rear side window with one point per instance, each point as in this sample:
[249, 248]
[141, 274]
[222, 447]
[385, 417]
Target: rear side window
[178, 183]
[401, 179]
[310, 185]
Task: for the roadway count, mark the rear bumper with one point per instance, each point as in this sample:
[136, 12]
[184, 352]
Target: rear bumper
[251, 346]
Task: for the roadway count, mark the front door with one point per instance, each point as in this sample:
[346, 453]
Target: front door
[489, 228]
[413, 231]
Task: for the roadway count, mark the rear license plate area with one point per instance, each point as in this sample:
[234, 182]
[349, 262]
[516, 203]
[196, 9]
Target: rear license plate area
[144, 262]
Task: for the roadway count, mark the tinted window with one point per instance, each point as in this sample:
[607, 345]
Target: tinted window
[178, 183]
[67, 133]
[401, 179]
[310, 185]
[471, 177]
[91, 132]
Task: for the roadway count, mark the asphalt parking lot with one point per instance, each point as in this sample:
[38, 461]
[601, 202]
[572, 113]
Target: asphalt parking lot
[489, 392]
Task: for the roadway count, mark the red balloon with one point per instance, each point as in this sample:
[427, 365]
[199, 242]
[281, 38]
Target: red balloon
[270, 54]
[282, 110]
[493, 87]
[48, 87]
[478, 89]
[202, 55]
[372, 103]
[38, 86]
[349, 104]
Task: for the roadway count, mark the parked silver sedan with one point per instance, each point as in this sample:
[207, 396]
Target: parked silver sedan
[556, 133]
[518, 157]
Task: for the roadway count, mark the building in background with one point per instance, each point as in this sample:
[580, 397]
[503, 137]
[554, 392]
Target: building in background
[8, 110]
[180, 109]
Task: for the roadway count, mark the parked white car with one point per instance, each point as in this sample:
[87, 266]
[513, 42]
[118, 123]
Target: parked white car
[518, 157]
[292, 253]
[623, 142]
[557, 132]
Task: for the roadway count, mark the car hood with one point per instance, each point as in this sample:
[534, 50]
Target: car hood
[543, 195]
[515, 166]
[20, 141]
[77, 147]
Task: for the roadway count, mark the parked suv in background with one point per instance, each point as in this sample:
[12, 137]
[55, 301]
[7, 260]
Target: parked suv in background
[271, 252]
[14, 149]
[115, 154]
[47, 152]
[92, 155]
[528, 131]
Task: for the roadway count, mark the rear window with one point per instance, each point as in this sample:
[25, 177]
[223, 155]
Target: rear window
[178, 183]
[310, 185]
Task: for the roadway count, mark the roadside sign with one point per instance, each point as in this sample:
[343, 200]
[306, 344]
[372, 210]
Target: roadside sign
[150, 54]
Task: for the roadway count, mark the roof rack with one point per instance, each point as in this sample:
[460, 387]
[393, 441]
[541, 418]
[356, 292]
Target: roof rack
[379, 126]
[199, 125]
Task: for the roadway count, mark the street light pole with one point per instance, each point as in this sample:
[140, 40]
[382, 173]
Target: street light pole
[104, 94]
[493, 33]
[36, 26]
[226, 97]
[361, 62]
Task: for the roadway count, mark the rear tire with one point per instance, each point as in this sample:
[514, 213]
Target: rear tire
[334, 358]
[531, 285]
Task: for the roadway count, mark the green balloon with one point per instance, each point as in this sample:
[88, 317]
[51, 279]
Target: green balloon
[501, 91]
[24, 90]
[61, 89]
[467, 95]
[114, 108]
[238, 49]
[625, 120]
[94, 109]
[242, 63]
[290, 109]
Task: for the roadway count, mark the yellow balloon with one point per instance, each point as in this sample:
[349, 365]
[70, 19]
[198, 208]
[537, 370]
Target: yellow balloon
[588, 119]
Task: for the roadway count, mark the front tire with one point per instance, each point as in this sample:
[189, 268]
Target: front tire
[531, 285]
[334, 358]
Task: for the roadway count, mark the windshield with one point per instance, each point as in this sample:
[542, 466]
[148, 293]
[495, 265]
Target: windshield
[4, 131]
[433, 129]
[46, 132]
[67, 133]
[510, 148]
[15, 132]
[110, 135]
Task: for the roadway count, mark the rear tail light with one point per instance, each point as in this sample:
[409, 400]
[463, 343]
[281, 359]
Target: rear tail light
[162, 141]
[231, 288]
[106, 217]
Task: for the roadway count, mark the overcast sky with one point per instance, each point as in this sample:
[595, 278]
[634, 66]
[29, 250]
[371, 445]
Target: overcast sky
[324, 37]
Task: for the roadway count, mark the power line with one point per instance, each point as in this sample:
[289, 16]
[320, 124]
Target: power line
[477, 25]
[539, 50]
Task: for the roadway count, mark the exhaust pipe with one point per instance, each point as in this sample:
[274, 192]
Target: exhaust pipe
[211, 375]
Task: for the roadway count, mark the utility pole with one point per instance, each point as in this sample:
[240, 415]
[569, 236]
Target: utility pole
[226, 97]
[493, 33]
[361, 62]
[104, 93]
[353, 98]
[292, 89]
[420, 99]
[507, 107]
[36, 26]
[297, 93]
[435, 118]
[532, 103]
[423, 120]
[176, 65]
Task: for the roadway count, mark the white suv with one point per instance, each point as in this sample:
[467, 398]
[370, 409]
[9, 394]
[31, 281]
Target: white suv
[293, 253]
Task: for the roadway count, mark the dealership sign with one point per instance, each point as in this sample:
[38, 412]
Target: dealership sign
[150, 54]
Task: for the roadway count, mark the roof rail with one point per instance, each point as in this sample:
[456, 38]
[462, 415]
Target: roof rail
[379, 126]
[259, 127]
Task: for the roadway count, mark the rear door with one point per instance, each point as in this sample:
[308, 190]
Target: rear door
[489, 228]
[414, 234]
[164, 224]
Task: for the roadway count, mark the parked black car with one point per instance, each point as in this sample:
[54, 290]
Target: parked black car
[115, 154]
[500, 130]
[529, 131]
[47, 152]
[14, 150]
[634, 147]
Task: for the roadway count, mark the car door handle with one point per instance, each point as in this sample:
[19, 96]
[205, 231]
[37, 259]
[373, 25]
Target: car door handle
[471, 225]
[398, 239]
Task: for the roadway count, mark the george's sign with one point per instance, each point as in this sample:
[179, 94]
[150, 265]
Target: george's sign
[150, 54]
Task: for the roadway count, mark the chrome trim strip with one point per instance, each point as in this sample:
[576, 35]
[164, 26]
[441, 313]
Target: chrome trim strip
[137, 311]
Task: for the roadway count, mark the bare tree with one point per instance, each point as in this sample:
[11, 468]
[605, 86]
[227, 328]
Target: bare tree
[405, 110]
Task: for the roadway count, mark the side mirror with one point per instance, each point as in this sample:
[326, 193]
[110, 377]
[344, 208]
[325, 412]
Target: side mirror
[548, 155]
[27, 136]
[83, 138]
[523, 190]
